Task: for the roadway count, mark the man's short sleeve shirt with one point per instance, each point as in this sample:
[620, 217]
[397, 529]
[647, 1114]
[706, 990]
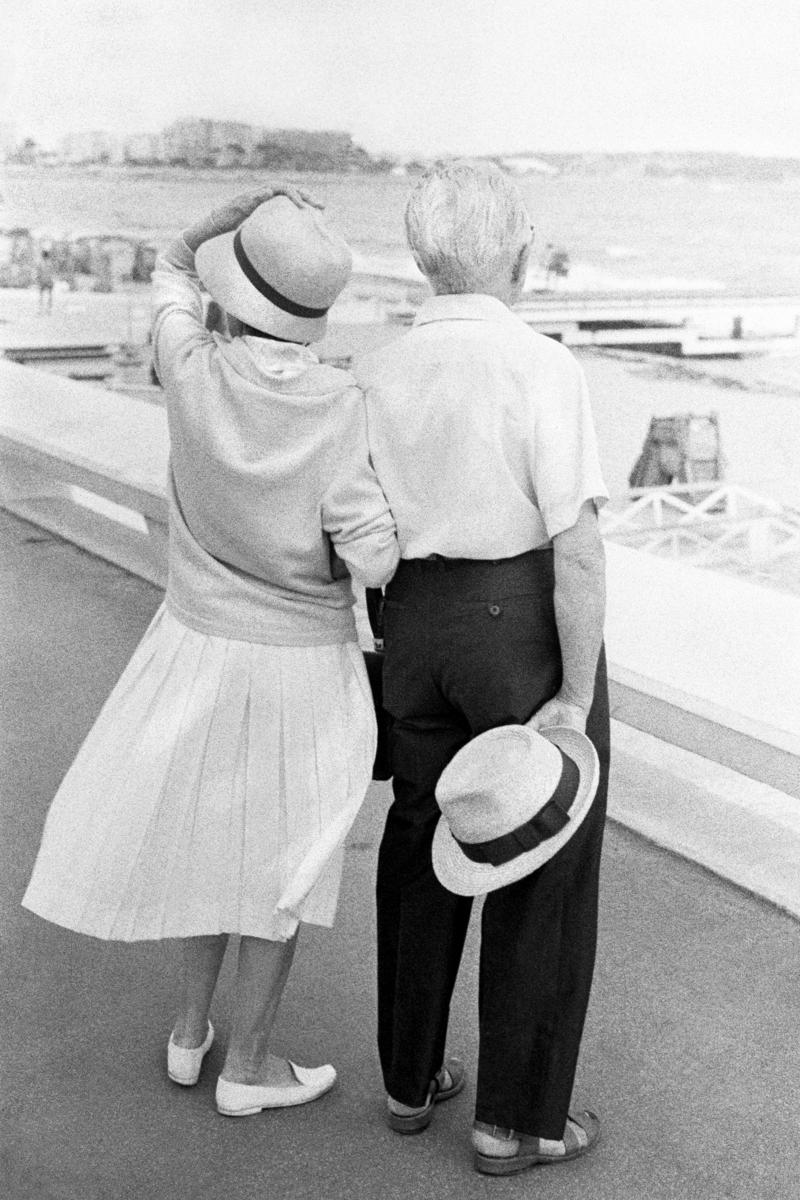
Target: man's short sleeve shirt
[480, 431]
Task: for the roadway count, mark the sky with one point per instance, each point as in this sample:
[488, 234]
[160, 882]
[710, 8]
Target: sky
[415, 76]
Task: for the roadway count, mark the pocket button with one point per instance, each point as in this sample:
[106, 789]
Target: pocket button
[495, 610]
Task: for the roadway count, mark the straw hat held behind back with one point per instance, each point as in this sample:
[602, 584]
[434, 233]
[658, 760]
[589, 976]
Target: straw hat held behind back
[510, 800]
[280, 271]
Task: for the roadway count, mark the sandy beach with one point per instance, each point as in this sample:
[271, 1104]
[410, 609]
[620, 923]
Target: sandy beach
[759, 430]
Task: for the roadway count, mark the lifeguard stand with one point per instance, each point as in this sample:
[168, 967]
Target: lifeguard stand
[681, 449]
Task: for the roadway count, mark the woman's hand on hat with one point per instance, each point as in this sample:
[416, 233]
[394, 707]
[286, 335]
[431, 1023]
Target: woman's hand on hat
[559, 711]
[298, 196]
[229, 216]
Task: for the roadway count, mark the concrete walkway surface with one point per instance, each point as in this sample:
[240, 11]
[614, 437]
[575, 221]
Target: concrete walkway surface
[691, 1053]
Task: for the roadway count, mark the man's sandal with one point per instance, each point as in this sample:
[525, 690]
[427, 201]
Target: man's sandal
[581, 1133]
[448, 1082]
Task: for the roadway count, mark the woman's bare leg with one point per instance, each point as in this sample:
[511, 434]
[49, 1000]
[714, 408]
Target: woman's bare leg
[260, 980]
[202, 960]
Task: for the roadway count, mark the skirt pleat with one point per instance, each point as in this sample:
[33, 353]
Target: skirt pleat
[213, 794]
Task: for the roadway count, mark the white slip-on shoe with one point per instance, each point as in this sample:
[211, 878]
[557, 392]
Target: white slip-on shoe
[183, 1066]
[242, 1099]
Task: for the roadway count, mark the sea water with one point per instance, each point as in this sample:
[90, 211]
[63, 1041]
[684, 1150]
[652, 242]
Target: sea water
[620, 231]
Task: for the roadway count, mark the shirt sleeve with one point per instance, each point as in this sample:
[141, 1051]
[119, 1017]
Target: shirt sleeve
[355, 512]
[566, 465]
[177, 311]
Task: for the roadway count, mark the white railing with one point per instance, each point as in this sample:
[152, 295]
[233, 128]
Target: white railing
[718, 525]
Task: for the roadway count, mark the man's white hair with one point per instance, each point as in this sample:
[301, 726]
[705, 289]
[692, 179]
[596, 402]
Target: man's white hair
[466, 222]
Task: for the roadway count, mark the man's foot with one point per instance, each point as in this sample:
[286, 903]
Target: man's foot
[504, 1152]
[446, 1083]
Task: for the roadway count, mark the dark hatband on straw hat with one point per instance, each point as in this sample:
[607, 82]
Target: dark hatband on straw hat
[510, 800]
[271, 293]
[547, 822]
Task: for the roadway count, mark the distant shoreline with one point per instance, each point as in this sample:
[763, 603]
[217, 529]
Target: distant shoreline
[654, 165]
[176, 172]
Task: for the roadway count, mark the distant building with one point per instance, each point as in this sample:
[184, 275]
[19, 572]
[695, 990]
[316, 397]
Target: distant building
[312, 150]
[234, 136]
[143, 148]
[95, 146]
[186, 141]
[199, 142]
[328, 141]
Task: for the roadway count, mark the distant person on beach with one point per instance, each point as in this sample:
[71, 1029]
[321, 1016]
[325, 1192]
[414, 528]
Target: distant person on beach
[214, 793]
[557, 265]
[45, 279]
[482, 439]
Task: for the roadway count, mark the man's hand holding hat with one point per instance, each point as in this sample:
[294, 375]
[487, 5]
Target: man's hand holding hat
[559, 711]
[230, 216]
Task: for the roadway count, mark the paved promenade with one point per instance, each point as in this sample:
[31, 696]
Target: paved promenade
[691, 1053]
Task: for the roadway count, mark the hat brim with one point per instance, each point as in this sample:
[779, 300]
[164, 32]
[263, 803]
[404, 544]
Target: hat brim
[464, 877]
[221, 275]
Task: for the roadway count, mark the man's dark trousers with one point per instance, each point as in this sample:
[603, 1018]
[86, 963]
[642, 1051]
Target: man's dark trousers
[471, 645]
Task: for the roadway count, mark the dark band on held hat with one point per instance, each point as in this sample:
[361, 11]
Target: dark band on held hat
[269, 293]
[549, 821]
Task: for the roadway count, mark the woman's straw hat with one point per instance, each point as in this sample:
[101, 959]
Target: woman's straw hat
[510, 799]
[280, 271]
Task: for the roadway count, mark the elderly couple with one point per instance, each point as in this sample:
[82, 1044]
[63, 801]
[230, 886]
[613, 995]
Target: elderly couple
[213, 796]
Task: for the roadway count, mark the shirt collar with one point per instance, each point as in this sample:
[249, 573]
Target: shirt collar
[464, 306]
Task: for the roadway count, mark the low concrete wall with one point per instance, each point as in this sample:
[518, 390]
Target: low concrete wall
[707, 662]
[700, 660]
[87, 464]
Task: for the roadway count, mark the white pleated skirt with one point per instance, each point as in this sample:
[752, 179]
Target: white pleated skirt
[213, 794]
